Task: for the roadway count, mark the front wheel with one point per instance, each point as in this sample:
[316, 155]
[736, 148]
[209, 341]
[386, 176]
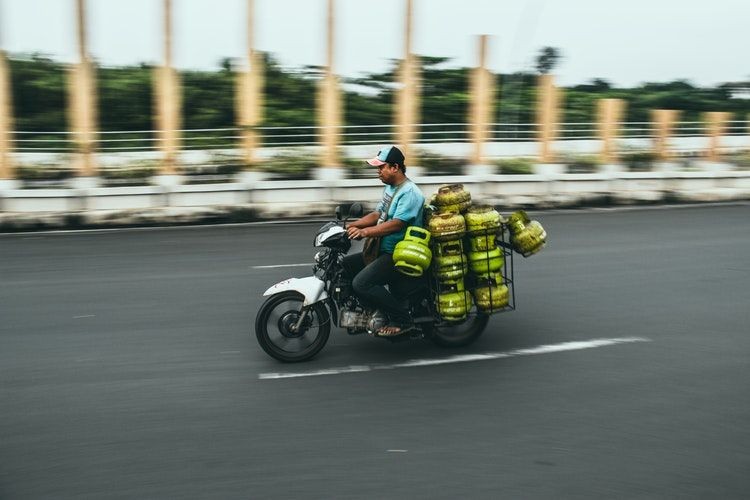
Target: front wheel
[460, 334]
[277, 332]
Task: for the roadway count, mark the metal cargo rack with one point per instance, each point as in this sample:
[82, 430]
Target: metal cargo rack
[472, 281]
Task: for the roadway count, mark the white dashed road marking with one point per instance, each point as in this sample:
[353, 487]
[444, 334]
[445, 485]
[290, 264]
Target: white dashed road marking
[463, 358]
[282, 265]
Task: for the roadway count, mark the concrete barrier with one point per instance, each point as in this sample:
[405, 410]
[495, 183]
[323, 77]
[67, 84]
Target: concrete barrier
[167, 204]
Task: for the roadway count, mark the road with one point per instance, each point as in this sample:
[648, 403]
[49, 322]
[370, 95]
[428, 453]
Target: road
[127, 370]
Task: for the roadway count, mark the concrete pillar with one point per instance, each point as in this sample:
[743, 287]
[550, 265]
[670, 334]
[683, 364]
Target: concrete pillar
[609, 118]
[407, 98]
[716, 123]
[480, 111]
[82, 102]
[7, 172]
[168, 101]
[663, 120]
[548, 101]
[249, 95]
[329, 107]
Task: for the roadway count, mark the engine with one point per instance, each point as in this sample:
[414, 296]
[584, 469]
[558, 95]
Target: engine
[359, 320]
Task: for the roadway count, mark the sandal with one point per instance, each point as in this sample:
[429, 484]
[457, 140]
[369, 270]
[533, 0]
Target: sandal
[395, 329]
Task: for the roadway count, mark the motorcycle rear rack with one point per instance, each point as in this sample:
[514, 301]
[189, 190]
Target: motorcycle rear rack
[471, 280]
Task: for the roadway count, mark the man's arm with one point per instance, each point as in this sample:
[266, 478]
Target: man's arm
[368, 220]
[384, 229]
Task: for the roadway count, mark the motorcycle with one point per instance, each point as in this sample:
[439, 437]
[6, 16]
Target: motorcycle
[294, 322]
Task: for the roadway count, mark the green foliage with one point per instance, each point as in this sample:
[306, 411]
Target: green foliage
[227, 163]
[208, 99]
[580, 107]
[436, 164]
[740, 158]
[220, 167]
[581, 164]
[135, 173]
[358, 168]
[126, 100]
[291, 163]
[515, 166]
[638, 160]
[38, 89]
[445, 92]
[547, 59]
[289, 96]
[515, 104]
[44, 171]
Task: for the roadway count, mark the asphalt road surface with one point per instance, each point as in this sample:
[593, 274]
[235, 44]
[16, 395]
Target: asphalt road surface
[128, 369]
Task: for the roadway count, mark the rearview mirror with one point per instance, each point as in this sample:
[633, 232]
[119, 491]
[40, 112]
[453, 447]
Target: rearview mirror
[356, 210]
[349, 211]
[342, 211]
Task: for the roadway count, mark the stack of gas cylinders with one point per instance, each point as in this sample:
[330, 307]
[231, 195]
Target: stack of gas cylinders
[451, 265]
[468, 251]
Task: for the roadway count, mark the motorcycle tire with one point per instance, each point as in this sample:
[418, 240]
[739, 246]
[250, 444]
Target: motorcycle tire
[459, 334]
[280, 312]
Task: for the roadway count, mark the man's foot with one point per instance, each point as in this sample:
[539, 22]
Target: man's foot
[395, 329]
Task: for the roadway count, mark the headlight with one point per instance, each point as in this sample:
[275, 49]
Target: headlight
[320, 256]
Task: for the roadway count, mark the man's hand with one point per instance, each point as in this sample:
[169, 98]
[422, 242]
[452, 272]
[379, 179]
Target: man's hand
[356, 233]
[380, 230]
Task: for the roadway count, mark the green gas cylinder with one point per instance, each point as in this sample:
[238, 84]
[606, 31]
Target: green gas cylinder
[447, 226]
[451, 267]
[492, 294]
[412, 255]
[484, 262]
[527, 236]
[452, 198]
[454, 303]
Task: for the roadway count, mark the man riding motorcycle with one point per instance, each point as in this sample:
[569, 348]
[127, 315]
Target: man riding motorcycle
[400, 207]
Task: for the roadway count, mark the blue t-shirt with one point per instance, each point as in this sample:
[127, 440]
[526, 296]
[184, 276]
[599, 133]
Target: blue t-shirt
[407, 206]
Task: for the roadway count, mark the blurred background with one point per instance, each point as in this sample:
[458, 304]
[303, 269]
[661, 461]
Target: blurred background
[119, 92]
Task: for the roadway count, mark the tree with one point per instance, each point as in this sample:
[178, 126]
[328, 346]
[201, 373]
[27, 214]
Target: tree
[126, 102]
[547, 59]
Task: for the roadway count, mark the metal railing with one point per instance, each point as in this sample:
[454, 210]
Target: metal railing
[229, 137]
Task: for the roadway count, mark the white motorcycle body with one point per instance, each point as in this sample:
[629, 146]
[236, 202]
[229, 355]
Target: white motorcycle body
[312, 288]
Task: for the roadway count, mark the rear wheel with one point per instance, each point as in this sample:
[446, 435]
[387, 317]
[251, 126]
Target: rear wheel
[276, 327]
[460, 334]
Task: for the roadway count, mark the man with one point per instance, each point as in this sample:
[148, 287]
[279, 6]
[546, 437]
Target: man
[400, 207]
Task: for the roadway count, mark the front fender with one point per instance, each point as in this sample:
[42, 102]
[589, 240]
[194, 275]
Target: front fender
[311, 288]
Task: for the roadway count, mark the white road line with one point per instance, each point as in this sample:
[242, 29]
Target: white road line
[331, 371]
[84, 316]
[463, 358]
[282, 265]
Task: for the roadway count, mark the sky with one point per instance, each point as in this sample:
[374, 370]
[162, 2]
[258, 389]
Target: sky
[624, 41]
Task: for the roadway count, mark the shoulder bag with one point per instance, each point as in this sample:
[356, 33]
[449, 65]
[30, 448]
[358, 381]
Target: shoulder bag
[371, 248]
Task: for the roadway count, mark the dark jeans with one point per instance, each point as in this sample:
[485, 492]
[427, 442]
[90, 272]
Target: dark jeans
[369, 284]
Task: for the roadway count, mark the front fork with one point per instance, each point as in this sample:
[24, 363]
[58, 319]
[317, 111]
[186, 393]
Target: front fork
[303, 314]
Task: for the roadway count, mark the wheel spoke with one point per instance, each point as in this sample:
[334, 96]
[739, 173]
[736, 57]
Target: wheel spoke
[295, 344]
[292, 344]
[277, 322]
